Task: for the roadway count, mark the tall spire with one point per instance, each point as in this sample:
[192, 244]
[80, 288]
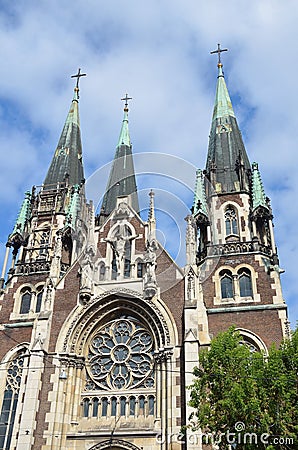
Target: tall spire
[122, 180]
[67, 161]
[227, 166]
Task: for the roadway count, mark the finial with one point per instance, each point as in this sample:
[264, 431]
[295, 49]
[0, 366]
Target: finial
[78, 76]
[151, 207]
[151, 215]
[219, 51]
[126, 98]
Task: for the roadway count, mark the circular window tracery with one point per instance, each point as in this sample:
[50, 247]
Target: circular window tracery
[121, 356]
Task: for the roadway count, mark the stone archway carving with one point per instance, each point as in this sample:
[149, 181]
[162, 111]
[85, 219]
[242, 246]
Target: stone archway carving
[115, 444]
[85, 317]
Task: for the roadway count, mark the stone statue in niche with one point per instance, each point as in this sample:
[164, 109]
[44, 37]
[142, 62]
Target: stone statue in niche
[121, 236]
[86, 273]
[150, 285]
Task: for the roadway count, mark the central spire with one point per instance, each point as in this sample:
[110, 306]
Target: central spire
[227, 166]
[122, 180]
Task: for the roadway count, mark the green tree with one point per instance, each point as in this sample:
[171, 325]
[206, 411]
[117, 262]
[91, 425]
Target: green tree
[242, 395]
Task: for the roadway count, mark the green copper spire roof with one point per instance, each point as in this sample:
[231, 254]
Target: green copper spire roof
[23, 217]
[223, 105]
[124, 138]
[67, 160]
[200, 201]
[227, 167]
[258, 193]
[122, 180]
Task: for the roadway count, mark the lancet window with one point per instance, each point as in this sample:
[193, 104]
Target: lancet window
[10, 400]
[226, 284]
[231, 221]
[245, 284]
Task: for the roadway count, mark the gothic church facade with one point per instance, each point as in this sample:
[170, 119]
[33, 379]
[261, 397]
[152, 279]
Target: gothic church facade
[100, 329]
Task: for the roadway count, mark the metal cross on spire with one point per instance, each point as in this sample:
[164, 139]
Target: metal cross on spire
[126, 98]
[219, 51]
[78, 76]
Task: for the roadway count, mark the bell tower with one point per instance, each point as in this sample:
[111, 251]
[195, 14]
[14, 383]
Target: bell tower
[236, 257]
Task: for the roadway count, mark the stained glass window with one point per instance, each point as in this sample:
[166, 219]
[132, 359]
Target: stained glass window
[121, 356]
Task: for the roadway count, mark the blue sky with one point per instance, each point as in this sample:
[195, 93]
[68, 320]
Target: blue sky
[158, 52]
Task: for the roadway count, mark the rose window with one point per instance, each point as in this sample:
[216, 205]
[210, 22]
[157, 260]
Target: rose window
[120, 356]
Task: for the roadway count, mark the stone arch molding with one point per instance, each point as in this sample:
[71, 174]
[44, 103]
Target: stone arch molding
[85, 318]
[115, 444]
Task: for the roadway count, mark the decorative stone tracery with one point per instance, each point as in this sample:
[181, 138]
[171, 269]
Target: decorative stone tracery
[120, 355]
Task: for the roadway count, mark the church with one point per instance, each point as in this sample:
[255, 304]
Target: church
[100, 328]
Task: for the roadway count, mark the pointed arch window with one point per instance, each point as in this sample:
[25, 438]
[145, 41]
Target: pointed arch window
[114, 266]
[127, 253]
[39, 299]
[26, 297]
[10, 399]
[151, 405]
[122, 406]
[226, 284]
[231, 221]
[245, 284]
[141, 405]
[104, 407]
[132, 406]
[95, 407]
[113, 406]
[86, 407]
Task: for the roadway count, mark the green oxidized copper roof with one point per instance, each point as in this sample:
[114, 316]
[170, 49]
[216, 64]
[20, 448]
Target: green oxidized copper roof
[23, 216]
[122, 180]
[227, 161]
[67, 159]
[223, 105]
[124, 138]
[258, 193]
[200, 202]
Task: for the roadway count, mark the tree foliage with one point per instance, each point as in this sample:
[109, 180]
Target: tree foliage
[241, 396]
